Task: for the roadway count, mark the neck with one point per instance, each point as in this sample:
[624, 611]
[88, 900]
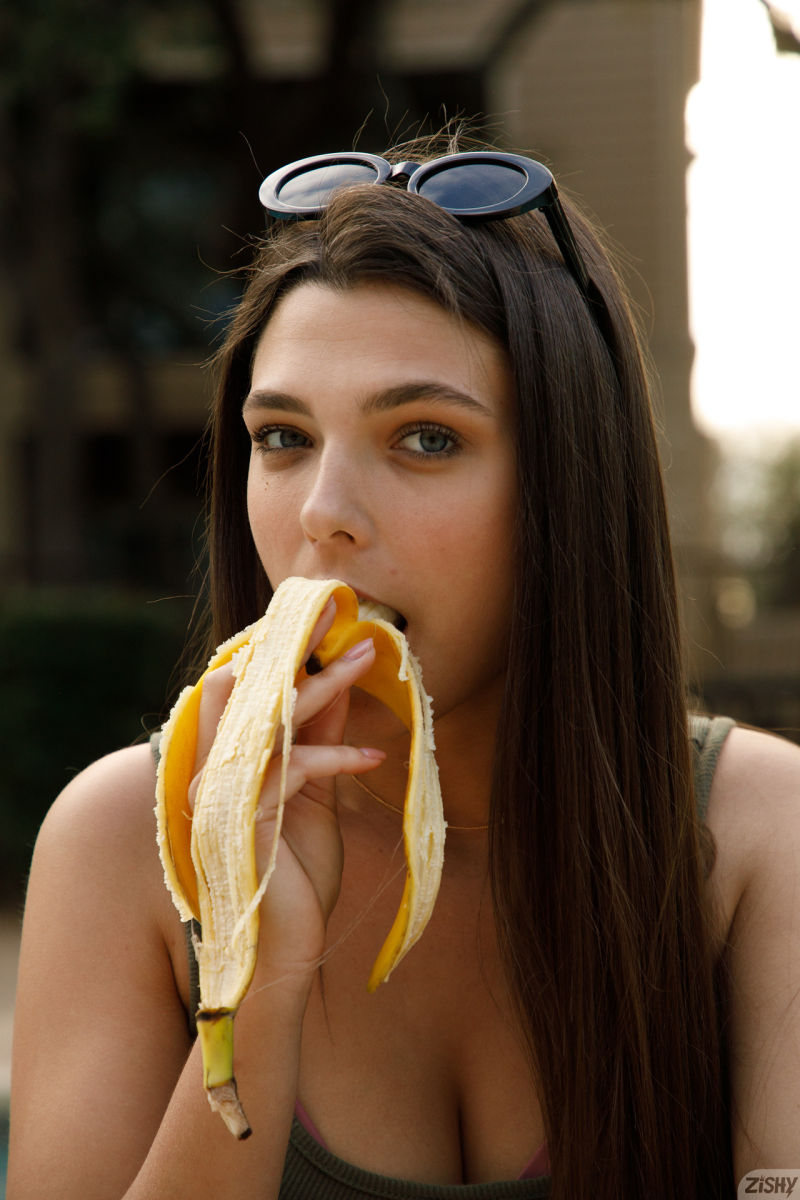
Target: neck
[465, 741]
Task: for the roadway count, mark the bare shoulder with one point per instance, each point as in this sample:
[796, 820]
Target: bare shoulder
[754, 807]
[754, 816]
[108, 807]
[97, 854]
[101, 940]
[754, 762]
[101, 830]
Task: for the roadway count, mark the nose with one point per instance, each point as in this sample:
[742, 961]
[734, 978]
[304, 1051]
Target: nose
[334, 510]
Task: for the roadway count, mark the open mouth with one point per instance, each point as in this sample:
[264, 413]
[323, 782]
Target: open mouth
[370, 610]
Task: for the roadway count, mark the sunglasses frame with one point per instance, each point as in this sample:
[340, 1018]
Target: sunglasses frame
[538, 191]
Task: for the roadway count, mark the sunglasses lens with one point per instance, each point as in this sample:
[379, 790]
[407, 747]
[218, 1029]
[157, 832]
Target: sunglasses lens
[464, 187]
[313, 188]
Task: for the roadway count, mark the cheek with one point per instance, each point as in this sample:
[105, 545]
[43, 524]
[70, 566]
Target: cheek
[493, 560]
[266, 523]
[469, 553]
[255, 506]
[486, 527]
[469, 540]
[257, 491]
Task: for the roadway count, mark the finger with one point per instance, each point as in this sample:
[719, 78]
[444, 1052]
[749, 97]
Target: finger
[217, 687]
[328, 728]
[310, 764]
[316, 695]
[323, 624]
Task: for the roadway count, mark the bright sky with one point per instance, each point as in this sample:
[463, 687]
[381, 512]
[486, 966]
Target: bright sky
[743, 127]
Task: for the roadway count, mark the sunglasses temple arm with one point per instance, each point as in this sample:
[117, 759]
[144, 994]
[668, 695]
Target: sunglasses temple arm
[565, 239]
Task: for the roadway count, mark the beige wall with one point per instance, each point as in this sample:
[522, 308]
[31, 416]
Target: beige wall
[599, 89]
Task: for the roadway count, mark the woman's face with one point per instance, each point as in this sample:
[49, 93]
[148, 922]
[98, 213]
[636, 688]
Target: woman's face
[382, 455]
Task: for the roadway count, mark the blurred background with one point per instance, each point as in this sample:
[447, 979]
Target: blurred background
[133, 138]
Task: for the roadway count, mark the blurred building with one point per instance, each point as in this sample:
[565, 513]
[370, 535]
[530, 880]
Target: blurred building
[595, 87]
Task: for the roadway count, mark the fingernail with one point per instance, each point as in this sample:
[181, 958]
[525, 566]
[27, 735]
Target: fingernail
[371, 753]
[359, 649]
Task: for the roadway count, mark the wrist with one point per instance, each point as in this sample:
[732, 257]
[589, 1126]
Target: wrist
[287, 978]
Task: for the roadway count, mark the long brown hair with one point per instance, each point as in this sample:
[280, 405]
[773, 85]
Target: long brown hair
[597, 864]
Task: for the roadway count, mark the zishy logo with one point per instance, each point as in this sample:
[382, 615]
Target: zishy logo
[781, 1181]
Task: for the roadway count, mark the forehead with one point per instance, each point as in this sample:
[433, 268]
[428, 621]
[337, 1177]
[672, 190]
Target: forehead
[375, 328]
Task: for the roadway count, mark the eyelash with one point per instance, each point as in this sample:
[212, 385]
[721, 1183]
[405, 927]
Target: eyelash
[260, 436]
[431, 427]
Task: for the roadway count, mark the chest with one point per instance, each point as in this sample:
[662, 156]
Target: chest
[427, 1078]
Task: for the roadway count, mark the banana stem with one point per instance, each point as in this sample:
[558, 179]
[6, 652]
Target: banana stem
[215, 1031]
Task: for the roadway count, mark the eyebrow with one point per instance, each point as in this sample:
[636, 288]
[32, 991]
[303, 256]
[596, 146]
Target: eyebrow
[385, 401]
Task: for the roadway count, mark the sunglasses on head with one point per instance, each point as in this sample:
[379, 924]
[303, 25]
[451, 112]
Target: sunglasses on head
[479, 185]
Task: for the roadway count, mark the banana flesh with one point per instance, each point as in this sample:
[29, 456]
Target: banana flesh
[209, 855]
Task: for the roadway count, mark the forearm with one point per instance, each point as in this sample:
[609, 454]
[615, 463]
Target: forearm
[137, 1123]
[193, 1151]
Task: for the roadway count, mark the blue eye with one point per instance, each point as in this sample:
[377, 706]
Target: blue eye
[279, 437]
[433, 442]
[429, 441]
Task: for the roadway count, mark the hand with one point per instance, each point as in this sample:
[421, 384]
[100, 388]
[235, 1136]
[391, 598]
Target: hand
[305, 883]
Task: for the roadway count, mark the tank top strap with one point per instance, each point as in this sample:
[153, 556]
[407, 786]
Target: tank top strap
[707, 736]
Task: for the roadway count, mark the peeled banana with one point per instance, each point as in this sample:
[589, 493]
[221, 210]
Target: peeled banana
[209, 855]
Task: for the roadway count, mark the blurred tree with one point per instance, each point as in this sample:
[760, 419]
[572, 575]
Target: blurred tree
[781, 519]
[94, 190]
[65, 65]
[760, 511]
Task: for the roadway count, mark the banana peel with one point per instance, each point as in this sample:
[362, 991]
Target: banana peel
[208, 854]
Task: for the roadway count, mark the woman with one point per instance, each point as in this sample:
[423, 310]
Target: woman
[450, 414]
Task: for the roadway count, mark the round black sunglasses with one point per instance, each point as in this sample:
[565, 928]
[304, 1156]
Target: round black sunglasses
[479, 185]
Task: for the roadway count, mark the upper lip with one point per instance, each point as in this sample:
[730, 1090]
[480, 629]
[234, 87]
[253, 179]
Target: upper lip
[362, 595]
[370, 599]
